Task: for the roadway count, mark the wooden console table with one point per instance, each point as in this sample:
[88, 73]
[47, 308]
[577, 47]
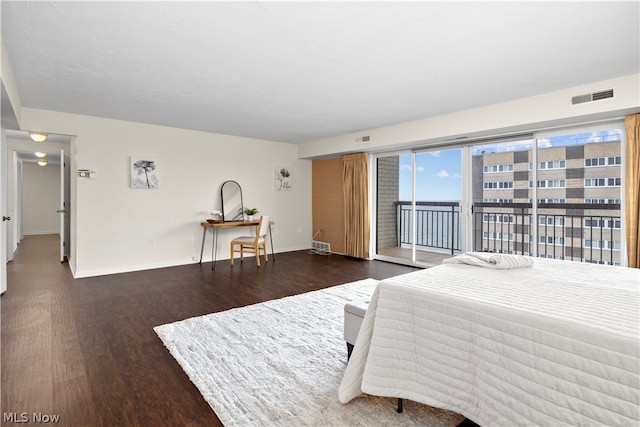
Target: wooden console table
[215, 226]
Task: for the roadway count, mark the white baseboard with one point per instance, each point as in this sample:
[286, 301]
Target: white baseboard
[39, 233]
[130, 268]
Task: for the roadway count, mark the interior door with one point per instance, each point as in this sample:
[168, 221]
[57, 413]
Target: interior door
[64, 206]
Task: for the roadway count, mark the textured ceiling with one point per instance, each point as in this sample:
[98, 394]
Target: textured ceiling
[303, 71]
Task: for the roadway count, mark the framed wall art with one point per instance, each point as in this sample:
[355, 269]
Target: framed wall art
[144, 173]
[283, 178]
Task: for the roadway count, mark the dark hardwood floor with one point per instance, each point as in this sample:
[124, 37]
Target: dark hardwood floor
[85, 349]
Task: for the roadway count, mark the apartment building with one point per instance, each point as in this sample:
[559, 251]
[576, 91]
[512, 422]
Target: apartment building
[577, 201]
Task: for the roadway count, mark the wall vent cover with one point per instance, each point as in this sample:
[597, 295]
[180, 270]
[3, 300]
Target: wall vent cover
[589, 97]
[322, 247]
[603, 94]
[580, 99]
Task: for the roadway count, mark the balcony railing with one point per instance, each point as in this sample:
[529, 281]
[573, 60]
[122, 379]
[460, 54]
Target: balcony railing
[437, 223]
[571, 231]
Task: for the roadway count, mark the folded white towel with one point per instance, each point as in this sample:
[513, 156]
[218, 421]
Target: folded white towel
[491, 260]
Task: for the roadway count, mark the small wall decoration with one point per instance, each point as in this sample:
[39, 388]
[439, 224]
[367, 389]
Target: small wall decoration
[144, 173]
[283, 178]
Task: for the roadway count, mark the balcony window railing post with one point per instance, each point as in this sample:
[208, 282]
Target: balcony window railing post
[453, 225]
[611, 224]
[602, 244]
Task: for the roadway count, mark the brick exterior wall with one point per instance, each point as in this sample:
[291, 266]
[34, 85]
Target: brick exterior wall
[388, 193]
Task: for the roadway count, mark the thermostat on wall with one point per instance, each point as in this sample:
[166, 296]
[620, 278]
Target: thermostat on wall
[85, 173]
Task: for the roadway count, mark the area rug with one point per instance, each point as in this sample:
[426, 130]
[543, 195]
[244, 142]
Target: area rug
[280, 363]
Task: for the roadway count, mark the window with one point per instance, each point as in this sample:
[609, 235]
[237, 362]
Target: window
[601, 262]
[497, 236]
[551, 201]
[603, 161]
[497, 200]
[603, 182]
[550, 240]
[602, 223]
[553, 164]
[498, 168]
[602, 201]
[553, 220]
[553, 193]
[498, 185]
[602, 244]
[550, 183]
[498, 219]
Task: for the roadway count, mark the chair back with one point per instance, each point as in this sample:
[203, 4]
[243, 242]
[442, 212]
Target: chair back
[263, 227]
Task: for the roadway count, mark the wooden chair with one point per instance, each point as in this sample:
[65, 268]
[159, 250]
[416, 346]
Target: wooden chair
[252, 244]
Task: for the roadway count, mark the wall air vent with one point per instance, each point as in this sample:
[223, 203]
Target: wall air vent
[320, 247]
[580, 99]
[603, 94]
[363, 139]
[589, 97]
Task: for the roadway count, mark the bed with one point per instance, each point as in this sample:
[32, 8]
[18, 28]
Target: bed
[554, 343]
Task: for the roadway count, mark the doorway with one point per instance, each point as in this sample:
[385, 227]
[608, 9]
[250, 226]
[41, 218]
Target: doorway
[418, 200]
[38, 188]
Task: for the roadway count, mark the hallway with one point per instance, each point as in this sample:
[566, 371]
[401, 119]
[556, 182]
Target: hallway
[42, 369]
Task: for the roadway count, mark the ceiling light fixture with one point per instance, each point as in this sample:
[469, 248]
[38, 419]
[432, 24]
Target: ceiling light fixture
[41, 155]
[38, 136]
[43, 163]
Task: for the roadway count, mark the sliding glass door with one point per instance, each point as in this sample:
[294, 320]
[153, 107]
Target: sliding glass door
[579, 195]
[556, 196]
[502, 210]
[418, 199]
[553, 195]
[393, 234]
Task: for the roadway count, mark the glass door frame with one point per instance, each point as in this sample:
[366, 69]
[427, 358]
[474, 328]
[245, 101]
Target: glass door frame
[466, 203]
[594, 128]
[464, 207]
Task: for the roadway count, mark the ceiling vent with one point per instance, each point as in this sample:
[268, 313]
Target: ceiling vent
[589, 97]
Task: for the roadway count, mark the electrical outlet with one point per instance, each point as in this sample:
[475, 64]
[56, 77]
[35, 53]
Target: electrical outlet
[152, 242]
[191, 238]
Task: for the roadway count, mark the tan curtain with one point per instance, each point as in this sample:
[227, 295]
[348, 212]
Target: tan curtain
[632, 183]
[356, 204]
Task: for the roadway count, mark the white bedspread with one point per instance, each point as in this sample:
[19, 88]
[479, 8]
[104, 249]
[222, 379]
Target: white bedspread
[554, 344]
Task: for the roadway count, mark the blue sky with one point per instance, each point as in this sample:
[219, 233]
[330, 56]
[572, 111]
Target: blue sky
[439, 173]
[438, 177]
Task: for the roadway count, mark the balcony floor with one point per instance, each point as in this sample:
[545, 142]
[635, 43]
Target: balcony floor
[428, 258]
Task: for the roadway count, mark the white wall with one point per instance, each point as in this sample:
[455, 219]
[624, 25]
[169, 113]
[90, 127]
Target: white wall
[112, 224]
[40, 199]
[528, 114]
